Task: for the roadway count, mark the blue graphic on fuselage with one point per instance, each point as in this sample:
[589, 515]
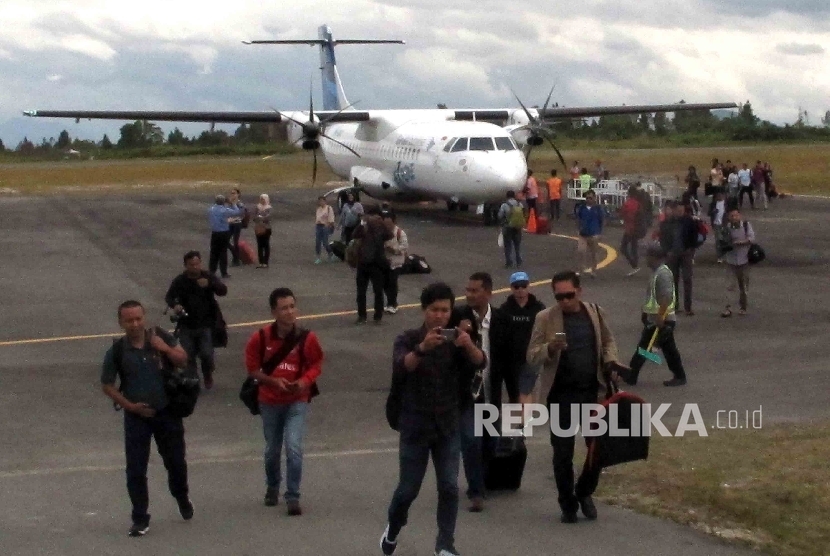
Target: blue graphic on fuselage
[404, 175]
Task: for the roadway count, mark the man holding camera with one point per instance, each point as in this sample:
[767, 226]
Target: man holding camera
[191, 296]
[432, 360]
[142, 395]
[578, 356]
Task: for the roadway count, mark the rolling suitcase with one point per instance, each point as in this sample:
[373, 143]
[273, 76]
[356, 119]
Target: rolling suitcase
[338, 248]
[543, 225]
[504, 463]
[246, 253]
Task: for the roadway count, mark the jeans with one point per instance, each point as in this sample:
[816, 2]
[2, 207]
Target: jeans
[628, 247]
[683, 263]
[219, 245]
[665, 341]
[563, 451]
[413, 460]
[512, 240]
[321, 239]
[169, 434]
[472, 454]
[263, 247]
[198, 342]
[365, 274]
[284, 422]
[390, 286]
[233, 243]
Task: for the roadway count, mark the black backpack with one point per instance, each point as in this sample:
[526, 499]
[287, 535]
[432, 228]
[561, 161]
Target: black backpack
[181, 388]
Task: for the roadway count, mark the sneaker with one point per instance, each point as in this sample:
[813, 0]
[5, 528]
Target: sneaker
[139, 529]
[447, 552]
[271, 497]
[675, 382]
[388, 545]
[185, 507]
[569, 517]
[318, 261]
[588, 508]
[294, 507]
[208, 382]
[477, 504]
[393, 310]
[360, 321]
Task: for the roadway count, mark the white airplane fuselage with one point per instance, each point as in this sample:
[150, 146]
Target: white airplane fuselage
[410, 155]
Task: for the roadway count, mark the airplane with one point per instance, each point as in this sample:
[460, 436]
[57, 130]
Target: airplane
[463, 157]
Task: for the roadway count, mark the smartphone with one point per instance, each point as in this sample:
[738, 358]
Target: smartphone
[449, 334]
[560, 336]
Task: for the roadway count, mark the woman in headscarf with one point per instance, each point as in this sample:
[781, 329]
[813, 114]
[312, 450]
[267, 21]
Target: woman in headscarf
[262, 229]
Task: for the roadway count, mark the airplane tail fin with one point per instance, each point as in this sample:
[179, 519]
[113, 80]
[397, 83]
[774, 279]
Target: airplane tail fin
[334, 97]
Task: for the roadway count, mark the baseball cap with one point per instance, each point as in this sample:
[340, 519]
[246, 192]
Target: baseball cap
[519, 277]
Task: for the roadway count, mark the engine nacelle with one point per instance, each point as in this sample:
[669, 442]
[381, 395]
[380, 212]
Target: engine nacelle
[296, 133]
[521, 136]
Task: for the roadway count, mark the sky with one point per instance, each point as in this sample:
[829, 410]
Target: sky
[188, 55]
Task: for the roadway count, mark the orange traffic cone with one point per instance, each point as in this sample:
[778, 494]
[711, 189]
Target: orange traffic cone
[531, 222]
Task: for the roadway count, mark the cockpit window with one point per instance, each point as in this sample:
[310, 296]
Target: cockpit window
[481, 144]
[449, 144]
[460, 145]
[505, 144]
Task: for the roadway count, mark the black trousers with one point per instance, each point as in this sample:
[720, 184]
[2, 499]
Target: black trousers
[744, 191]
[665, 341]
[628, 247]
[555, 209]
[509, 376]
[263, 247]
[169, 434]
[390, 286]
[219, 242]
[570, 400]
[233, 244]
[376, 275]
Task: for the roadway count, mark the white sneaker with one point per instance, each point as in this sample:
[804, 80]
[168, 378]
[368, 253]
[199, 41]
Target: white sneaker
[387, 547]
[633, 271]
[391, 310]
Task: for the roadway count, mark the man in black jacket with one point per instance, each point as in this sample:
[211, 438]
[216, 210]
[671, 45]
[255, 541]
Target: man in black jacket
[678, 238]
[433, 367]
[372, 263]
[518, 312]
[191, 296]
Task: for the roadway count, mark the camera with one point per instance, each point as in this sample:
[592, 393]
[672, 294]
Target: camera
[449, 334]
[175, 317]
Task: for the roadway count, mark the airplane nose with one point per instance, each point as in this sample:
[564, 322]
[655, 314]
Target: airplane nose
[495, 176]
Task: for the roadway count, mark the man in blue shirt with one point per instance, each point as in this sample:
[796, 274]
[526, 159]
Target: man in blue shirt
[220, 234]
[590, 219]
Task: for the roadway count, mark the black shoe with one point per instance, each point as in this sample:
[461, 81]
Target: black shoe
[628, 376]
[294, 507]
[675, 382]
[185, 507]
[139, 529]
[272, 496]
[388, 545]
[588, 508]
[569, 517]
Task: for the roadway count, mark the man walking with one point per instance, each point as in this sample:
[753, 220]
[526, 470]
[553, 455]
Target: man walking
[191, 296]
[630, 213]
[513, 219]
[219, 216]
[295, 359]
[372, 264]
[432, 364]
[590, 221]
[142, 395]
[577, 355]
[678, 237]
[738, 237]
[658, 313]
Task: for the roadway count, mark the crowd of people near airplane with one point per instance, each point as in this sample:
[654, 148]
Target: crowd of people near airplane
[460, 356]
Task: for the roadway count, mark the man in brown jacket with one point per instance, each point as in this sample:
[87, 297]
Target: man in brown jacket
[575, 351]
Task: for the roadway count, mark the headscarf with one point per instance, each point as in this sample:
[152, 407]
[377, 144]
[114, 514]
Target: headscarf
[264, 205]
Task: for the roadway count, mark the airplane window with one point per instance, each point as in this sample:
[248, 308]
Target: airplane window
[460, 145]
[449, 144]
[505, 144]
[481, 144]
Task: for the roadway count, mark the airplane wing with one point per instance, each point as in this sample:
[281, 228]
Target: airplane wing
[590, 111]
[218, 117]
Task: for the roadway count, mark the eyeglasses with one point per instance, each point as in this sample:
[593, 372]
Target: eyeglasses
[520, 286]
[561, 296]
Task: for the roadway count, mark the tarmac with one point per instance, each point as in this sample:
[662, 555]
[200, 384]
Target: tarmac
[70, 260]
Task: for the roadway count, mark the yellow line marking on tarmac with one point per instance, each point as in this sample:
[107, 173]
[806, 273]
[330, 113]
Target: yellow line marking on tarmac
[611, 256]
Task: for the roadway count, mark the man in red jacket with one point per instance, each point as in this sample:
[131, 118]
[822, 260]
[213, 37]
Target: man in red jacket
[630, 214]
[285, 393]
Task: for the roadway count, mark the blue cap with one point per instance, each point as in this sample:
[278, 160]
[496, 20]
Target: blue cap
[519, 277]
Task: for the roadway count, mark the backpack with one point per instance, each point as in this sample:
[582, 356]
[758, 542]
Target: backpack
[181, 387]
[353, 252]
[756, 253]
[516, 217]
[415, 264]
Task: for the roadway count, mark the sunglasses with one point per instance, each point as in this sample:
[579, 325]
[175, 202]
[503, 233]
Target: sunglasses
[561, 296]
[520, 285]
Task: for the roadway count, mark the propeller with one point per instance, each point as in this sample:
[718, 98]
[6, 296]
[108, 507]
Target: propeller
[313, 131]
[538, 130]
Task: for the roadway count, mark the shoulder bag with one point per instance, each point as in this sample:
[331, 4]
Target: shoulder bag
[249, 393]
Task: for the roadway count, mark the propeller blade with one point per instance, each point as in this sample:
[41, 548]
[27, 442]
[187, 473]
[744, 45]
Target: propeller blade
[338, 112]
[561, 159]
[527, 156]
[314, 172]
[341, 144]
[310, 102]
[287, 117]
[550, 94]
[529, 117]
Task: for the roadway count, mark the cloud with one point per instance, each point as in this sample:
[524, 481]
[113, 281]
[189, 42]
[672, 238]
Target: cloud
[797, 49]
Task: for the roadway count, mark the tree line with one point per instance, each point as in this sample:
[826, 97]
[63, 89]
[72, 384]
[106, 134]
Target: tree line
[700, 128]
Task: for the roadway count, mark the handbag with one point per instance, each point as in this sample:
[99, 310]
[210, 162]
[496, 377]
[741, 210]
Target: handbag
[260, 229]
[249, 393]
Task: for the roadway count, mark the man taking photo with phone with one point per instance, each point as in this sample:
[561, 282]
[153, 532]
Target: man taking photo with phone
[432, 368]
